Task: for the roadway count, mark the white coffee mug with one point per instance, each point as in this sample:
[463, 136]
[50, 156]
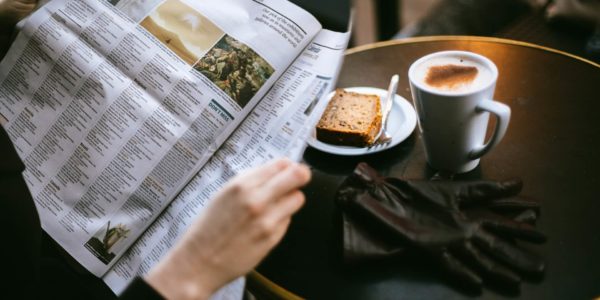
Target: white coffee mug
[453, 118]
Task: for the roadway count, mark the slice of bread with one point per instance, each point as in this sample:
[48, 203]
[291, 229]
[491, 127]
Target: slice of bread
[350, 119]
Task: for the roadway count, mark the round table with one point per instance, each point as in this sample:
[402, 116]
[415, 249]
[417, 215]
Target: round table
[552, 144]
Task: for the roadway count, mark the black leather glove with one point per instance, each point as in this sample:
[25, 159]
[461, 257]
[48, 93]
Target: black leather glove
[464, 225]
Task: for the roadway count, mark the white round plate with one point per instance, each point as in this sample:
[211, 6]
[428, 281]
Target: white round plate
[401, 123]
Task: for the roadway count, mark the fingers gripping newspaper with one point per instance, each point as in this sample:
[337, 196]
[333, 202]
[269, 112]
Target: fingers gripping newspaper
[130, 114]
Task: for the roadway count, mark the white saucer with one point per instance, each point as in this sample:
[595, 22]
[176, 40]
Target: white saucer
[401, 124]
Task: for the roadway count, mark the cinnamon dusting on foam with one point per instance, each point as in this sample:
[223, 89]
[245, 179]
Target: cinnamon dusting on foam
[450, 77]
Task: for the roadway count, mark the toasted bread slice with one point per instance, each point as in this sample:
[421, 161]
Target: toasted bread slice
[350, 119]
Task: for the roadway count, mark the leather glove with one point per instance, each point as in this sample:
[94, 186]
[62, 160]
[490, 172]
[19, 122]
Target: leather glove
[470, 228]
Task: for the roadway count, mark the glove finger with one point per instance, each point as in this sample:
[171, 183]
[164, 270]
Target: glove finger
[512, 204]
[509, 253]
[528, 216]
[491, 270]
[458, 272]
[507, 227]
[477, 191]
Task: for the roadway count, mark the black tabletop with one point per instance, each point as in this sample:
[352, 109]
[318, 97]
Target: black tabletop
[552, 144]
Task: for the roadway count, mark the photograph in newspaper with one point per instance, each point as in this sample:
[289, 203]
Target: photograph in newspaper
[182, 29]
[235, 69]
[101, 244]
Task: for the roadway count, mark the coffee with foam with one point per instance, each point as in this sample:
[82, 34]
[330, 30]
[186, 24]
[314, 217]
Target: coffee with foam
[453, 93]
[453, 74]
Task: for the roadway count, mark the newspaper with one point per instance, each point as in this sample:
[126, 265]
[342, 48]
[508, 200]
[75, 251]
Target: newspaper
[130, 114]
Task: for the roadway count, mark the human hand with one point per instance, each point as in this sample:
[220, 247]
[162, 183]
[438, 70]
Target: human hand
[13, 11]
[242, 223]
[463, 225]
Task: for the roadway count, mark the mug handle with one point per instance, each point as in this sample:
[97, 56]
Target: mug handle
[502, 113]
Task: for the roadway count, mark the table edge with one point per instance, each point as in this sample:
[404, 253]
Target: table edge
[425, 39]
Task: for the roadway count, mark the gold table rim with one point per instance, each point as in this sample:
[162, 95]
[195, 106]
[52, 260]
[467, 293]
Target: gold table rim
[425, 39]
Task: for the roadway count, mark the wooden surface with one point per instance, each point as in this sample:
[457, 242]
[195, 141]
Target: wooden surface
[552, 143]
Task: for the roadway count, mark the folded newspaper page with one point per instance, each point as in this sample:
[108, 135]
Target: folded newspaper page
[279, 126]
[115, 106]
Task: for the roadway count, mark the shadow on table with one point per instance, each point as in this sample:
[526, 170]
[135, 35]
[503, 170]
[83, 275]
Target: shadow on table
[344, 165]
